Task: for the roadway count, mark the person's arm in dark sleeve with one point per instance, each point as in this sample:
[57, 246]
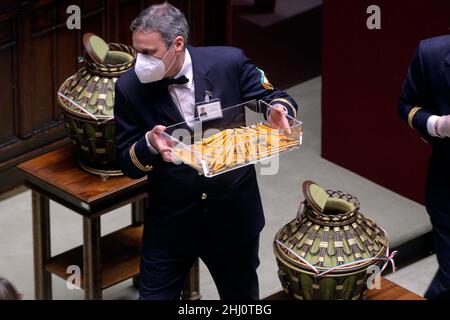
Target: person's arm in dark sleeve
[414, 99]
[134, 155]
[255, 85]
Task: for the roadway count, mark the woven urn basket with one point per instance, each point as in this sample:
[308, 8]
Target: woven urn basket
[326, 251]
[87, 103]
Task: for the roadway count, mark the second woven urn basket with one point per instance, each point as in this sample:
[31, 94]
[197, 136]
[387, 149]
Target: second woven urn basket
[325, 252]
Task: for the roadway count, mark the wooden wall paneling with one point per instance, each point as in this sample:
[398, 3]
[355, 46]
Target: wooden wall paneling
[196, 20]
[42, 71]
[89, 6]
[128, 10]
[7, 83]
[93, 18]
[7, 4]
[66, 49]
[217, 24]
[112, 20]
[25, 83]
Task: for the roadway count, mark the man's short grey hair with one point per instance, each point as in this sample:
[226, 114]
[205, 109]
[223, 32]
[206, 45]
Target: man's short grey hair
[165, 19]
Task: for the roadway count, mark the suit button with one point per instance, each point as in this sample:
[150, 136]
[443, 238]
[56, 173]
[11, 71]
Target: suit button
[204, 196]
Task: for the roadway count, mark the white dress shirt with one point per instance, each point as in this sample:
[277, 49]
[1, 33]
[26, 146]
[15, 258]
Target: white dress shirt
[183, 95]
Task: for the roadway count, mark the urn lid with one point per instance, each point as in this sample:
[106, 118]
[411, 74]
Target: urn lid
[96, 48]
[330, 233]
[90, 93]
[329, 207]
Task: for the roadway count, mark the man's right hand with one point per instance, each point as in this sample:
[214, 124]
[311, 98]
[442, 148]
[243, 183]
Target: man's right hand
[161, 143]
[443, 126]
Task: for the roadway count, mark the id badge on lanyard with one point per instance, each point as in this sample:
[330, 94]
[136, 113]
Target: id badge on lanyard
[209, 109]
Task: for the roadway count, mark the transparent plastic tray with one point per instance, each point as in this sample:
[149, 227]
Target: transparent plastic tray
[242, 136]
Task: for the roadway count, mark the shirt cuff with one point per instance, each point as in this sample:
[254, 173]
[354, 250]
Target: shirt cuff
[151, 147]
[431, 125]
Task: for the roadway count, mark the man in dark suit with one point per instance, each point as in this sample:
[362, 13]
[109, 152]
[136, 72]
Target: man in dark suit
[425, 106]
[217, 219]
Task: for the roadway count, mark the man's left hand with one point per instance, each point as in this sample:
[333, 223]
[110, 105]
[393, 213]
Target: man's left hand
[278, 119]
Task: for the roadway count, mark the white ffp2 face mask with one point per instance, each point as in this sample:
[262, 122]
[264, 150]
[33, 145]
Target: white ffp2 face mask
[150, 69]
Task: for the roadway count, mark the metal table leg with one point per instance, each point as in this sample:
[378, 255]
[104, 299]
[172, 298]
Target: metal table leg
[92, 268]
[41, 246]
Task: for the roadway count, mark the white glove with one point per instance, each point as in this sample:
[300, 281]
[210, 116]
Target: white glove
[443, 126]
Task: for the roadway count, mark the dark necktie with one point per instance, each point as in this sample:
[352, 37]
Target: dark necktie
[180, 80]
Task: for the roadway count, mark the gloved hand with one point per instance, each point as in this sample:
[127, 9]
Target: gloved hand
[443, 126]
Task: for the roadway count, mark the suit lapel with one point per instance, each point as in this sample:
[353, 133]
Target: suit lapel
[165, 105]
[201, 81]
[171, 108]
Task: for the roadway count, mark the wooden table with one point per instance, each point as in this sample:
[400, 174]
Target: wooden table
[105, 261]
[388, 291]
